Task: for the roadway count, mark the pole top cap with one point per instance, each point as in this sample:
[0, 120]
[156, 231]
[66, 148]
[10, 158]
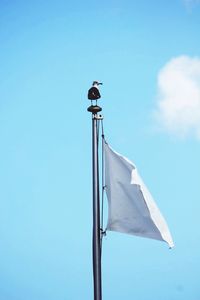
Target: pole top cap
[94, 109]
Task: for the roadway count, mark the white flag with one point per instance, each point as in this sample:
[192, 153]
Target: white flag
[131, 207]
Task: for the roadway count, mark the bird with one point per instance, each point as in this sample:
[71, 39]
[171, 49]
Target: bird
[93, 92]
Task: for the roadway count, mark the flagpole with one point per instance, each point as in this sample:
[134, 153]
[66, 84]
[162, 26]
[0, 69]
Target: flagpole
[96, 246]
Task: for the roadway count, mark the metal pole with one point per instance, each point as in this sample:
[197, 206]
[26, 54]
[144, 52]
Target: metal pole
[96, 213]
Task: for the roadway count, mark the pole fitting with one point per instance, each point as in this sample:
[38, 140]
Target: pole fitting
[98, 117]
[94, 109]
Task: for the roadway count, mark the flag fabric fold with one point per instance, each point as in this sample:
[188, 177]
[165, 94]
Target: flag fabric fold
[131, 208]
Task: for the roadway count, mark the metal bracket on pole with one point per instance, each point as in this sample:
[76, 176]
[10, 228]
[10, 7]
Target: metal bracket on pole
[98, 117]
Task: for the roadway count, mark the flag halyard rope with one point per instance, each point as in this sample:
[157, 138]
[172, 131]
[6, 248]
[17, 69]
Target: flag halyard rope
[103, 231]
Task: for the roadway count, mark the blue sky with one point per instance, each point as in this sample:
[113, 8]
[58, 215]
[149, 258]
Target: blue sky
[147, 55]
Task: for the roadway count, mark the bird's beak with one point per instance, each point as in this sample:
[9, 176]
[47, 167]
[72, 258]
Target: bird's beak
[100, 83]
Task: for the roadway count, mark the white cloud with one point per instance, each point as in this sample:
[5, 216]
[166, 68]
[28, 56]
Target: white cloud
[178, 101]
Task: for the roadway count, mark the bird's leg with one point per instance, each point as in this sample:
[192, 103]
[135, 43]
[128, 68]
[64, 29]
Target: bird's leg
[96, 102]
[91, 103]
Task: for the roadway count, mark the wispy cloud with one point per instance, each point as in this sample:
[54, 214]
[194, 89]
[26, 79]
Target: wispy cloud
[178, 100]
[189, 4]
